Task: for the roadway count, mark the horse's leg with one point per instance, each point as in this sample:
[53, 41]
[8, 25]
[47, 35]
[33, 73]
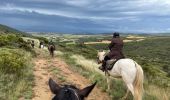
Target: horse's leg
[52, 53]
[108, 82]
[129, 86]
[126, 95]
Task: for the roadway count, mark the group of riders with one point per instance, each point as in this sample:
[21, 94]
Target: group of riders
[41, 43]
[115, 47]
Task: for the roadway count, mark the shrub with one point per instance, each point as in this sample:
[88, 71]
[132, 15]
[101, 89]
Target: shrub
[7, 39]
[14, 41]
[16, 74]
[12, 61]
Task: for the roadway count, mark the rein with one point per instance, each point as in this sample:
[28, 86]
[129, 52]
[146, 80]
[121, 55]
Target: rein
[106, 72]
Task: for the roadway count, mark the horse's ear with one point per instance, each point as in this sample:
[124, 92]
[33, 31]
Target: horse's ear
[54, 87]
[86, 91]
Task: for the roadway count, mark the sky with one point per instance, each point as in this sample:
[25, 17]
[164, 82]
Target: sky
[86, 16]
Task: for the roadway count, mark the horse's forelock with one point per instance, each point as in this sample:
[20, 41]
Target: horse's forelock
[101, 55]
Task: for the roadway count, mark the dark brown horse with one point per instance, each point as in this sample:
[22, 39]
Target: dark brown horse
[69, 92]
[51, 49]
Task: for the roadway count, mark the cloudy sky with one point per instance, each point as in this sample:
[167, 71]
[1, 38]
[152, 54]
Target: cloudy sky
[92, 16]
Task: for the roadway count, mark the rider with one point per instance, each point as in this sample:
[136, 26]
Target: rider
[115, 48]
[32, 43]
[41, 43]
[52, 43]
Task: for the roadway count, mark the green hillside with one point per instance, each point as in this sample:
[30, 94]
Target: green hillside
[8, 30]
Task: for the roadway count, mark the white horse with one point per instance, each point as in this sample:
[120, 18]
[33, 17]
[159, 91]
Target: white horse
[130, 72]
[41, 46]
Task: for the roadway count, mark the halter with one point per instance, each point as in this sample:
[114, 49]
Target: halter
[75, 93]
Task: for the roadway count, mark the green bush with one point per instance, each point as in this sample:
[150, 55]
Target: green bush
[8, 39]
[13, 41]
[45, 40]
[12, 61]
[16, 74]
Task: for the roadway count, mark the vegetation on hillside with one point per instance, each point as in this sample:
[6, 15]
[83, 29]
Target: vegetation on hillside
[16, 73]
[8, 30]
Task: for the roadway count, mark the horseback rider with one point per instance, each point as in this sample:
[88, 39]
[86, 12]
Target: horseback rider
[115, 48]
[41, 44]
[52, 43]
[32, 43]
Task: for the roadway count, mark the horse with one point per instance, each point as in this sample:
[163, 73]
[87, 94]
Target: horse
[51, 49]
[69, 92]
[41, 45]
[129, 71]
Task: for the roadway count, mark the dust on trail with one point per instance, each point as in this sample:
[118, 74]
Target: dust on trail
[42, 74]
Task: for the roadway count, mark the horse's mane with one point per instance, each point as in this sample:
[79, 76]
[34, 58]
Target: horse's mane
[70, 94]
[70, 86]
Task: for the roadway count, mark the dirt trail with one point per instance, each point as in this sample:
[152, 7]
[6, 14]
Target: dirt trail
[42, 74]
[41, 90]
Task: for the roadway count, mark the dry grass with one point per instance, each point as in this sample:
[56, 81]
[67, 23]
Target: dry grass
[127, 40]
[104, 41]
[140, 39]
[158, 92]
[90, 65]
[135, 37]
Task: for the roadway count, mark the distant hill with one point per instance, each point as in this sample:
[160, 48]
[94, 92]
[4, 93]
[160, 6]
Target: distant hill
[7, 30]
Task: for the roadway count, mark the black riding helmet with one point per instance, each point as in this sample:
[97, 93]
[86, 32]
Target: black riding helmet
[115, 34]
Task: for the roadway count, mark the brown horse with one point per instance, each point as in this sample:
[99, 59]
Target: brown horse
[51, 49]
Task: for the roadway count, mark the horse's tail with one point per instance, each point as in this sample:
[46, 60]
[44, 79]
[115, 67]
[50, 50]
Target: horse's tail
[138, 82]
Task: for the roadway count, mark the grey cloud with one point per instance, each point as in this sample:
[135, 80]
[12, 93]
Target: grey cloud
[86, 15]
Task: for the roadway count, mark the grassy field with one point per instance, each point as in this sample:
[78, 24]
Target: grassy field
[151, 53]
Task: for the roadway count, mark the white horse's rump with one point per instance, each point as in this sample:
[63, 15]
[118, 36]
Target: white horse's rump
[41, 46]
[130, 72]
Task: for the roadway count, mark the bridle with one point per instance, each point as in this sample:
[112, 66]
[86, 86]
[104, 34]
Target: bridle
[75, 93]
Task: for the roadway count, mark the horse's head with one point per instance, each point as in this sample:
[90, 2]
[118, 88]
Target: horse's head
[69, 92]
[100, 56]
